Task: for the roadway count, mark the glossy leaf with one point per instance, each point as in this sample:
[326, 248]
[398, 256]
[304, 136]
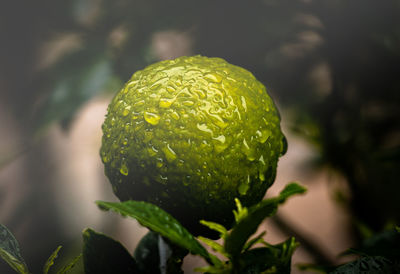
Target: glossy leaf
[159, 221]
[9, 251]
[101, 254]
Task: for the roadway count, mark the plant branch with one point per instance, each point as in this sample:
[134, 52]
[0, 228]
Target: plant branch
[319, 254]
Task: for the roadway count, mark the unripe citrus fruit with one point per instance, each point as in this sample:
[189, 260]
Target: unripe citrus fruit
[190, 135]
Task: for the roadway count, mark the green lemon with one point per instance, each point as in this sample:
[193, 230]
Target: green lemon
[190, 135]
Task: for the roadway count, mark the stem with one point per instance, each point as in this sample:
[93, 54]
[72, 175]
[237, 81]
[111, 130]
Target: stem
[309, 245]
[165, 252]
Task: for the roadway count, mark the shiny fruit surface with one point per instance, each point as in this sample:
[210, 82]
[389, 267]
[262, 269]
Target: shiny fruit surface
[190, 135]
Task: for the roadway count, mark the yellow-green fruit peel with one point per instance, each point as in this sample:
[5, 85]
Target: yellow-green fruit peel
[190, 135]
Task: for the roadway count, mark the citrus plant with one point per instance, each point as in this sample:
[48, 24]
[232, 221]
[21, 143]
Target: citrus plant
[190, 135]
[190, 147]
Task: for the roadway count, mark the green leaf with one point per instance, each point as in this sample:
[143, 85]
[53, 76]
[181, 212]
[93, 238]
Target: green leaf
[246, 227]
[9, 251]
[290, 190]
[159, 221]
[69, 266]
[217, 227]
[257, 260]
[241, 211]
[50, 260]
[101, 254]
[255, 240]
[147, 254]
[272, 258]
[80, 77]
[283, 253]
[370, 265]
[214, 245]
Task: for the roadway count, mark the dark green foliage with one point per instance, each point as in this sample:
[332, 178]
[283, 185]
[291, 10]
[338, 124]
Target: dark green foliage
[158, 221]
[379, 254]
[385, 244]
[370, 265]
[10, 253]
[275, 258]
[147, 254]
[248, 225]
[101, 254]
[237, 246]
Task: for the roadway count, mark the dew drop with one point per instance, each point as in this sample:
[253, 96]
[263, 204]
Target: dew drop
[175, 115]
[204, 128]
[188, 103]
[160, 162]
[220, 138]
[243, 188]
[261, 159]
[170, 89]
[151, 118]
[244, 105]
[124, 170]
[169, 153]
[200, 93]
[213, 77]
[246, 146]
[265, 134]
[139, 103]
[126, 111]
[166, 102]
[261, 176]
[105, 159]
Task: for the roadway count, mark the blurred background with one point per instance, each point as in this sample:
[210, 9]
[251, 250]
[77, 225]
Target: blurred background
[332, 66]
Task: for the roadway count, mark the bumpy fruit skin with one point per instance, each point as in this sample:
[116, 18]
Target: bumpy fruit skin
[190, 135]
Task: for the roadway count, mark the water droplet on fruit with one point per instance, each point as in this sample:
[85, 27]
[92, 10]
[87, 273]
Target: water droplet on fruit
[265, 134]
[151, 118]
[261, 159]
[105, 159]
[213, 77]
[126, 111]
[220, 138]
[244, 105]
[243, 187]
[261, 176]
[175, 115]
[204, 128]
[166, 102]
[170, 89]
[169, 153]
[124, 170]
